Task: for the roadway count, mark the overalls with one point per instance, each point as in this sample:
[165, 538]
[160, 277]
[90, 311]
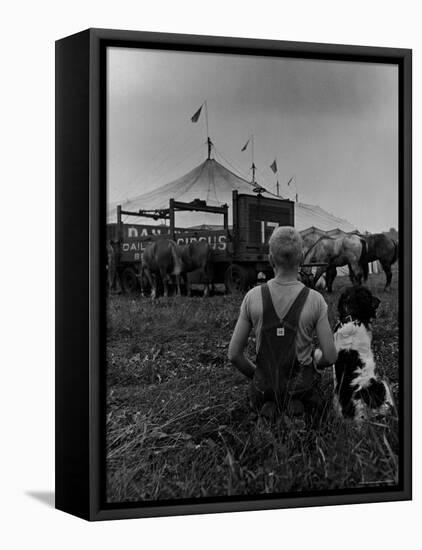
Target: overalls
[279, 377]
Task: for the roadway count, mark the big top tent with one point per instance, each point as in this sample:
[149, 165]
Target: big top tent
[214, 183]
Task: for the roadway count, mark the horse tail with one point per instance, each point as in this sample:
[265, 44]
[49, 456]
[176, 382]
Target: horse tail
[177, 260]
[363, 260]
[396, 251]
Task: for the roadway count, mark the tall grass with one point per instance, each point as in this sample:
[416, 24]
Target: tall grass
[178, 422]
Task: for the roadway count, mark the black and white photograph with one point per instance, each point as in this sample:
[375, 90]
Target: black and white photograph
[211, 275]
[252, 276]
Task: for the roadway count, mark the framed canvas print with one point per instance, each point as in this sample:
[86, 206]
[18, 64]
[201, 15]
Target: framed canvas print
[233, 274]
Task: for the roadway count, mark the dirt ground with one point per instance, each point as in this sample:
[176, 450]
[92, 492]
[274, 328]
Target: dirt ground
[178, 421]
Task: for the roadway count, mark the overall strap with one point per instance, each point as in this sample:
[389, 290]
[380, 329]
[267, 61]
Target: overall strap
[292, 316]
[269, 317]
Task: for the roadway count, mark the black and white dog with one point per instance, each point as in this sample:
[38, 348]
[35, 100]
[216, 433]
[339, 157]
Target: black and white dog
[359, 391]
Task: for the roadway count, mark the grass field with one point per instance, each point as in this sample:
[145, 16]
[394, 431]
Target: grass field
[178, 422]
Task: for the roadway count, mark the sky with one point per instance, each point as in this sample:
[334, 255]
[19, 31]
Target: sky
[331, 125]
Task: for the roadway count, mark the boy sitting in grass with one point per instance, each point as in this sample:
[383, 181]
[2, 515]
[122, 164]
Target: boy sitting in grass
[285, 316]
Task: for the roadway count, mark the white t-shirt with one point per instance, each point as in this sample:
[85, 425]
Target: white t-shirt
[283, 294]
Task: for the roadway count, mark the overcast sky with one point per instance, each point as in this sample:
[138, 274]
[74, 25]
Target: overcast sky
[332, 125]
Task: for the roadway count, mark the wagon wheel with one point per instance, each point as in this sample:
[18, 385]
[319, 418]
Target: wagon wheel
[236, 279]
[129, 280]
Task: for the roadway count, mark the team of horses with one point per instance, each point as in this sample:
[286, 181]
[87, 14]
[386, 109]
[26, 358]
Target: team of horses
[354, 251]
[165, 261]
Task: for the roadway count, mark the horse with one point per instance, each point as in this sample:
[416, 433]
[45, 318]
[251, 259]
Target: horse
[197, 255]
[309, 240]
[384, 249]
[161, 258]
[347, 250]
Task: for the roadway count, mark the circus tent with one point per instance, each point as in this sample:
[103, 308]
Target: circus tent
[214, 183]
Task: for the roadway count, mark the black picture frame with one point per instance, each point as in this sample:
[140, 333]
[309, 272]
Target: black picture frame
[80, 279]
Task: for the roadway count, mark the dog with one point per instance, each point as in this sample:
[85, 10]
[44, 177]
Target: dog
[359, 391]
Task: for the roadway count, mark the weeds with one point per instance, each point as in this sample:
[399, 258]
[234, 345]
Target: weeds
[178, 422]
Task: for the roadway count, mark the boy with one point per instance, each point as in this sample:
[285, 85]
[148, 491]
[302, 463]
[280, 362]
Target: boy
[285, 316]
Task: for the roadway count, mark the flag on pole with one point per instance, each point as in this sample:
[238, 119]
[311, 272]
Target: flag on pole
[273, 166]
[246, 144]
[290, 181]
[195, 117]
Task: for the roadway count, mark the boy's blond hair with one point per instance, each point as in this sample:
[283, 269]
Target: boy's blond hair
[286, 247]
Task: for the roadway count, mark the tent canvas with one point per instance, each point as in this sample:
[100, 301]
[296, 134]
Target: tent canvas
[214, 183]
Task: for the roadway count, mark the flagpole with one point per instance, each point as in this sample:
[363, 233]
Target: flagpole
[251, 141]
[293, 179]
[206, 118]
[209, 142]
[195, 119]
[253, 158]
[297, 192]
[274, 169]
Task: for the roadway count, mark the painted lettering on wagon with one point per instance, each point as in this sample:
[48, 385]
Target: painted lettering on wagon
[217, 242]
[135, 232]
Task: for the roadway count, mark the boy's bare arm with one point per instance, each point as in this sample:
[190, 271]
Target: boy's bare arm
[237, 347]
[328, 352]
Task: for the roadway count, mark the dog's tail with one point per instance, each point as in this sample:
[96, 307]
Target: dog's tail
[363, 260]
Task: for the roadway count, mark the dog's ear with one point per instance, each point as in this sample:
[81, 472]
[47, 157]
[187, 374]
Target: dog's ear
[375, 302]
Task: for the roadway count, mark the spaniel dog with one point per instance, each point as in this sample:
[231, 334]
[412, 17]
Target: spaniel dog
[359, 392]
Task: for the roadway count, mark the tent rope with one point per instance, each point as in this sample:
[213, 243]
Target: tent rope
[239, 172]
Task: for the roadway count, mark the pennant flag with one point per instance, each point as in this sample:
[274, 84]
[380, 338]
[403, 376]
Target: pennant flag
[273, 166]
[246, 144]
[290, 181]
[195, 117]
